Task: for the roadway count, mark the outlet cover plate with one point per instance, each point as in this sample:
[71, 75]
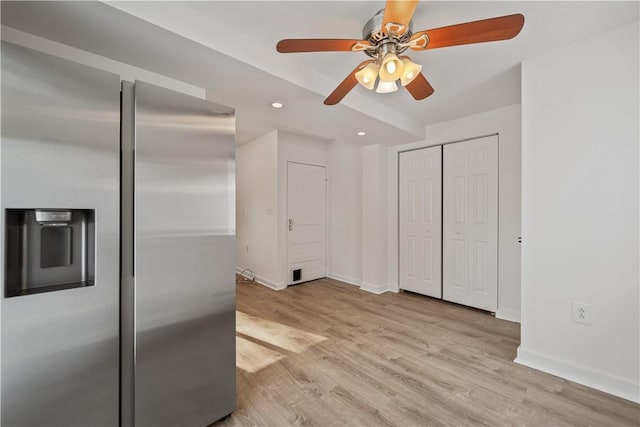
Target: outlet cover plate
[581, 312]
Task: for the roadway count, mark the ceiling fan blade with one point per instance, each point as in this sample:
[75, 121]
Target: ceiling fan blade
[346, 86]
[397, 15]
[419, 87]
[321, 45]
[486, 30]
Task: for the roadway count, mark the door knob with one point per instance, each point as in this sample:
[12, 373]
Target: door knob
[290, 224]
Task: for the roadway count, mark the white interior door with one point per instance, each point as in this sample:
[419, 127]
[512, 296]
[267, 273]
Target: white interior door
[470, 223]
[420, 221]
[307, 212]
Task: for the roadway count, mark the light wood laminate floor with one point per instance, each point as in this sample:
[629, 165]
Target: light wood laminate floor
[325, 353]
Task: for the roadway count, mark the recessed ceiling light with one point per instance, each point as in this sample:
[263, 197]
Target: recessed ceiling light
[361, 133]
[277, 104]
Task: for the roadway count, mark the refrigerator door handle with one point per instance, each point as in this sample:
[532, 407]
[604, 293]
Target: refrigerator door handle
[127, 253]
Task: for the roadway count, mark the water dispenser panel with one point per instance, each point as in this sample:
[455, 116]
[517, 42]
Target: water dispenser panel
[48, 250]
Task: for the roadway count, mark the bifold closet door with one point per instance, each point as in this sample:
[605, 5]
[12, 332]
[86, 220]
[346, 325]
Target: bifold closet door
[470, 223]
[421, 221]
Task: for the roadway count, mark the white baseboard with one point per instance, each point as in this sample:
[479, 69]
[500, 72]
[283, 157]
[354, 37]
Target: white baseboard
[600, 381]
[264, 281]
[512, 316]
[367, 287]
[374, 289]
[344, 279]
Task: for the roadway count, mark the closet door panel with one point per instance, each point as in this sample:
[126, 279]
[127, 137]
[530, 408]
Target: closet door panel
[420, 199]
[455, 227]
[470, 223]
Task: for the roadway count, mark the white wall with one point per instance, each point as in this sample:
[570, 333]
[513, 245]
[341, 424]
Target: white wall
[580, 212]
[257, 208]
[302, 149]
[345, 212]
[374, 219]
[506, 123]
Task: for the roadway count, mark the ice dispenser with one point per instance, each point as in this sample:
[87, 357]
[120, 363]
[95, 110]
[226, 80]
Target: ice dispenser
[48, 250]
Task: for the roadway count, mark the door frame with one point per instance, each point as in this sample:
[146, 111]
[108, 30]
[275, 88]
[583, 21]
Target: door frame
[326, 218]
[442, 144]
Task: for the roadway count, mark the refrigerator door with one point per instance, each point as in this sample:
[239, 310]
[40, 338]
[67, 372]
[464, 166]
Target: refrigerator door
[60, 158]
[184, 259]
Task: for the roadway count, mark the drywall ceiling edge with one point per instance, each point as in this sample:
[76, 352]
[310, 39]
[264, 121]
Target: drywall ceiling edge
[224, 39]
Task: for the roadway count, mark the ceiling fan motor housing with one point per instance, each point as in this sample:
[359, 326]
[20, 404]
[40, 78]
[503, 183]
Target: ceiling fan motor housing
[372, 32]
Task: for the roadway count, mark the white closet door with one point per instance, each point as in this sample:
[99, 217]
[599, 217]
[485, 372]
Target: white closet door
[307, 210]
[421, 221]
[470, 223]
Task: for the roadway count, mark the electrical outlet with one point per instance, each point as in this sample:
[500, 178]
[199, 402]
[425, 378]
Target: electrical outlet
[581, 312]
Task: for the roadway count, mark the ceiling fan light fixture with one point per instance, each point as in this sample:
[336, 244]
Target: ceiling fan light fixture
[392, 68]
[411, 71]
[389, 33]
[386, 87]
[367, 76]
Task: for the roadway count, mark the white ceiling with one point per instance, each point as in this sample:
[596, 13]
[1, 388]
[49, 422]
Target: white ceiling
[229, 48]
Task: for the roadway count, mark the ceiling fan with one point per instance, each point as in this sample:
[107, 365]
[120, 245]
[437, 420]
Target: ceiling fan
[390, 33]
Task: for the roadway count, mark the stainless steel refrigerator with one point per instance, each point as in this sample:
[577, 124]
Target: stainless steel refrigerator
[118, 223]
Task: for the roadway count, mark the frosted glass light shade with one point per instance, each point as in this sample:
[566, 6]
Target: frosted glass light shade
[368, 75]
[410, 72]
[386, 87]
[392, 68]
